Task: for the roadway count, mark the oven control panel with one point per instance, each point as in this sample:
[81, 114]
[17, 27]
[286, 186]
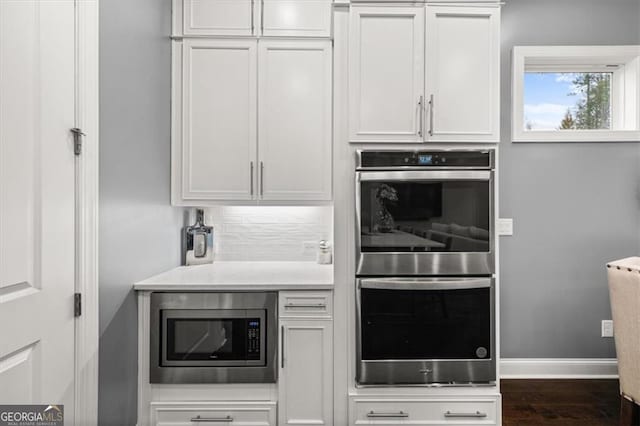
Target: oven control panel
[476, 159]
[253, 338]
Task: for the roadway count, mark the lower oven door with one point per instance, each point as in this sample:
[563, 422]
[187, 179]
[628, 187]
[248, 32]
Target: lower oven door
[425, 331]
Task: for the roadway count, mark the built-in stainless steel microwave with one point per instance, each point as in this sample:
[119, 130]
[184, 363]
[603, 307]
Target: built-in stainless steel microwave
[425, 212]
[425, 331]
[213, 337]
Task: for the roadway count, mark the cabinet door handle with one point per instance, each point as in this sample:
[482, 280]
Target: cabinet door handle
[399, 414]
[261, 179]
[261, 17]
[477, 414]
[431, 104]
[303, 305]
[253, 9]
[282, 346]
[251, 179]
[421, 112]
[198, 419]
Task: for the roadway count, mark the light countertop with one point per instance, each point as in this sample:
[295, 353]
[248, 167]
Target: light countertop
[242, 276]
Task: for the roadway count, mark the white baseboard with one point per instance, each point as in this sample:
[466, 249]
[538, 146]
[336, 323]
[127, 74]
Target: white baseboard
[558, 368]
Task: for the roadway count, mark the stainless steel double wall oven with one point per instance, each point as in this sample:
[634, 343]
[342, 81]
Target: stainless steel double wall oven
[425, 247]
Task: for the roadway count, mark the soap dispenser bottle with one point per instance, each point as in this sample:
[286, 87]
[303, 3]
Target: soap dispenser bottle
[197, 242]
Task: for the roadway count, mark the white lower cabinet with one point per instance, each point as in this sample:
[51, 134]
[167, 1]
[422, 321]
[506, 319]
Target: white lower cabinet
[235, 413]
[424, 411]
[305, 377]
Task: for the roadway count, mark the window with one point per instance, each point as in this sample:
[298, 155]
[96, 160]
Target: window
[576, 93]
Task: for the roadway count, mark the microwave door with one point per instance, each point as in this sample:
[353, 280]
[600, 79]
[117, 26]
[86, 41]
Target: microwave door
[193, 337]
[419, 222]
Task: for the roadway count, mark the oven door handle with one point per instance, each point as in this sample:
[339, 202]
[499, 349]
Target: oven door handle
[425, 175]
[425, 284]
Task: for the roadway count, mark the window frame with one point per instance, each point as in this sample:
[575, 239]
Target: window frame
[622, 61]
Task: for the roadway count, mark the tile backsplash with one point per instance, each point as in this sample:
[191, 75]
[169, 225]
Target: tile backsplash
[269, 233]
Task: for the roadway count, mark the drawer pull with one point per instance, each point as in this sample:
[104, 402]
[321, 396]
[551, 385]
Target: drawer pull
[387, 415]
[306, 305]
[198, 419]
[477, 414]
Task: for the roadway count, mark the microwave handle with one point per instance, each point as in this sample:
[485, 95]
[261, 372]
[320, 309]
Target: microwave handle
[424, 284]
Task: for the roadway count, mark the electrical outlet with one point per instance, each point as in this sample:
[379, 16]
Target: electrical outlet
[505, 226]
[607, 328]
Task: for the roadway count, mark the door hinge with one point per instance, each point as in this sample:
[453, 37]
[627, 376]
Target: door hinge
[77, 304]
[77, 140]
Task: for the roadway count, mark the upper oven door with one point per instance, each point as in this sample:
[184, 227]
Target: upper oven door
[425, 222]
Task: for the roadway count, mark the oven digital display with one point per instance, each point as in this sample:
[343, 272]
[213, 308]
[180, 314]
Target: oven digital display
[425, 160]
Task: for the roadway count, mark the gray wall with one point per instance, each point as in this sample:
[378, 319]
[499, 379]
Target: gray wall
[139, 231]
[575, 205]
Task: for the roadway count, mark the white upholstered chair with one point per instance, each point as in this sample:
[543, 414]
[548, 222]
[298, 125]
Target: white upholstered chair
[624, 292]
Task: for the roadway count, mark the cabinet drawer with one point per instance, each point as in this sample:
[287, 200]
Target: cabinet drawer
[222, 413]
[480, 411]
[305, 304]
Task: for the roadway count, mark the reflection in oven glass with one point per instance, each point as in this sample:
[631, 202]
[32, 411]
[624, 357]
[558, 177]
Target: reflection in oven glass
[197, 339]
[421, 216]
[420, 324]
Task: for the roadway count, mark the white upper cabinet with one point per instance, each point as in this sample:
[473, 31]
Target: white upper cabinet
[227, 146]
[386, 74]
[279, 18]
[214, 121]
[463, 74]
[294, 131]
[216, 17]
[295, 18]
[417, 81]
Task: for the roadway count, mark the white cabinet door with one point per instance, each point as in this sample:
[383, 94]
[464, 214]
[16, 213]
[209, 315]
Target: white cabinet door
[306, 373]
[215, 122]
[215, 17]
[386, 74]
[463, 74]
[294, 120]
[295, 18]
[37, 204]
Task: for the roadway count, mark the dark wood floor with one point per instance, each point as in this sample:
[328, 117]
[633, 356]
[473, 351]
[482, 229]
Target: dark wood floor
[560, 402]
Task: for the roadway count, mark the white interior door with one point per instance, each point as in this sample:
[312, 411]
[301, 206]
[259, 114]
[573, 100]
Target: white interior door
[37, 171]
[294, 120]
